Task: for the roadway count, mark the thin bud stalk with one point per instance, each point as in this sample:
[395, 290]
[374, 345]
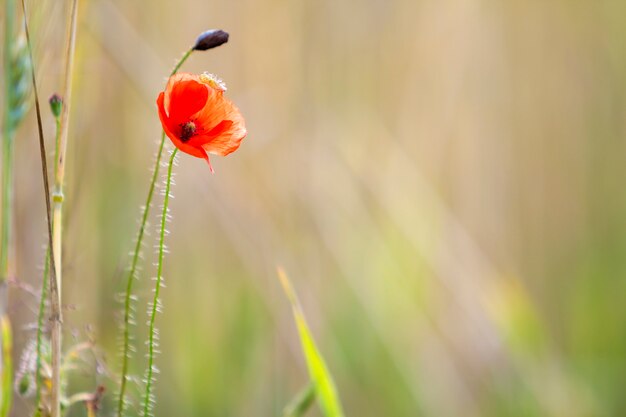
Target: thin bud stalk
[57, 215]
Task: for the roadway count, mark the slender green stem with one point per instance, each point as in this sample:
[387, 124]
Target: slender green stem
[181, 62]
[128, 297]
[56, 334]
[57, 143]
[157, 288]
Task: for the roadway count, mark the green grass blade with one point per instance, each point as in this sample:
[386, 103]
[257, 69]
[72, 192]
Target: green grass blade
[7, 366]
[318, 371]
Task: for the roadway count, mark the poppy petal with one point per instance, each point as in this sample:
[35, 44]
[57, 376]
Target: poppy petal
[228, 142]
[171, 83]
[203, 137]
[223, 123]
[167, 127]
[216, 109]
[185, 97]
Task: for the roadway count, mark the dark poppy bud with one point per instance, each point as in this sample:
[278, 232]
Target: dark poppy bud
[210, 39]
[56, 104]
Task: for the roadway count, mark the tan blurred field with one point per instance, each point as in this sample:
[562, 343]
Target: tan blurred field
[442, 180]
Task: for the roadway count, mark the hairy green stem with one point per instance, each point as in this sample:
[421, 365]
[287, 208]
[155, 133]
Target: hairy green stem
[157, 288]
[128, 296]
[44, 293]
[130, 279]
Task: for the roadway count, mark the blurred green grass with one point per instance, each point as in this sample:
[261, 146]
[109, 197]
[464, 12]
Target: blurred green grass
[444, 180]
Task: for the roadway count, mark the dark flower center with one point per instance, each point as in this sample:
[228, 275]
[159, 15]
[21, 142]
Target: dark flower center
[187, 130]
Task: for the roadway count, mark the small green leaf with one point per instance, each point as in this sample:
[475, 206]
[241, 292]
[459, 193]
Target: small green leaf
[301, 402]
[318, 371]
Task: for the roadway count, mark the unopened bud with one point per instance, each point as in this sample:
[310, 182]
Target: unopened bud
[56, 105]
[210, 39]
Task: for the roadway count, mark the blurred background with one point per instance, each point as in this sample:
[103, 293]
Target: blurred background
[442, 180]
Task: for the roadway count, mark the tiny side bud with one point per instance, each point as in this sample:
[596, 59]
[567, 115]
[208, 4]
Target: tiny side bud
[56, 105]
[210, 39]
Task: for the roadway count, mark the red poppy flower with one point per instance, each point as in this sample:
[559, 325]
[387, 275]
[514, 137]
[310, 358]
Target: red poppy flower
[198, 118]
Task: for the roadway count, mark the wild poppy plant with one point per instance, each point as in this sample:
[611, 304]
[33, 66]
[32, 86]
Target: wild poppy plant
[198, 118]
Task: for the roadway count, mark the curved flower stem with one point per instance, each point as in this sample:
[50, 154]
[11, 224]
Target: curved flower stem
[181, 61]
[157, 288]
[128, 296]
